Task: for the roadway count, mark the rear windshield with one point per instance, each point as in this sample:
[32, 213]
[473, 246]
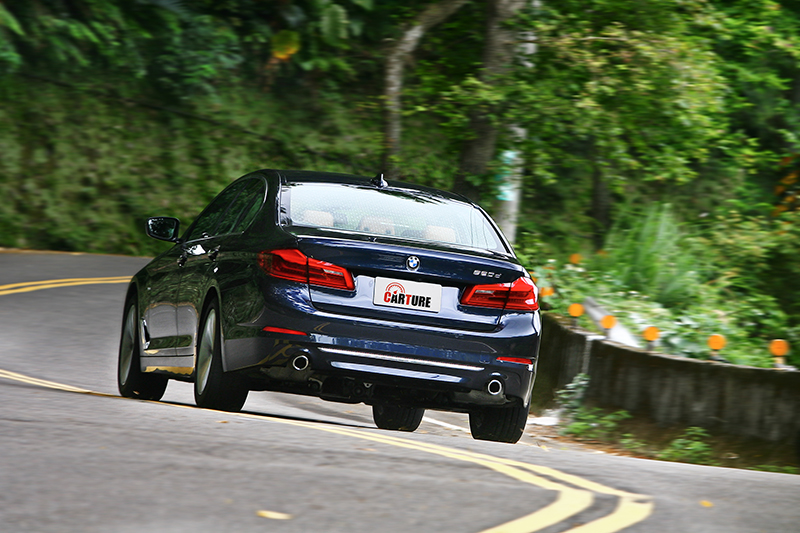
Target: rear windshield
[403, 214]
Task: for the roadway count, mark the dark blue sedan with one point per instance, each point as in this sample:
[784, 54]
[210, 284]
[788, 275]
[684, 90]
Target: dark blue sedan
[353, 290]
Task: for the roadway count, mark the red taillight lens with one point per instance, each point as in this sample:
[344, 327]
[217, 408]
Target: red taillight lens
[519, 295]
[494, 295]
[522, 295]
[296, 266]
[518, 360]
[329, 275]
[285, 264]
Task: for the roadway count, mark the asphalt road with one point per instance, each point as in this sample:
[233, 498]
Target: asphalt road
[86, 460]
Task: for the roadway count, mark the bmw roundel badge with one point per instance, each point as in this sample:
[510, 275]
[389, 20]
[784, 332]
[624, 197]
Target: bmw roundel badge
[412, 263]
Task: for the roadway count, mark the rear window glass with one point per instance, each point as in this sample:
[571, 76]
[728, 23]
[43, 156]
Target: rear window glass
[401, 214]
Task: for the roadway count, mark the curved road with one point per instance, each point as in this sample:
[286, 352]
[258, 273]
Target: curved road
[76, 457]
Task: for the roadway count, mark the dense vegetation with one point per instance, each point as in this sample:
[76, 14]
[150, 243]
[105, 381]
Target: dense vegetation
[658, 137]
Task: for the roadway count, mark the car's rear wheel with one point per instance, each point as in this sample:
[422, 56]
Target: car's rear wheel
[131, 381]
[214, 388]
[397, 417]
[499, 424]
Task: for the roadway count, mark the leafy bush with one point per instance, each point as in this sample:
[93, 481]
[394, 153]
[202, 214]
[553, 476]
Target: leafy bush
[586, 422]
[689, 448]
[649, 253]
[571, 396]
[632, 444]
[718, 279]
[592, 423]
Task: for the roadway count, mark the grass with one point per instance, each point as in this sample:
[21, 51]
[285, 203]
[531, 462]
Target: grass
[650, 253]
[634, 436]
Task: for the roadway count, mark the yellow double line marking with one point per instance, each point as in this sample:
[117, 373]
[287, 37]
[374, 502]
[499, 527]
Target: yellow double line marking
[29, 286]
[575, 494]
[631, 508]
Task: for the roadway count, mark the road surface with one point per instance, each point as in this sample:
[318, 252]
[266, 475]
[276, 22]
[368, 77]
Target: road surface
[77, 457]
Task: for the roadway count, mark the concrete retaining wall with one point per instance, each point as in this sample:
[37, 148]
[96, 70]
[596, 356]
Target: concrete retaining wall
[739, 400]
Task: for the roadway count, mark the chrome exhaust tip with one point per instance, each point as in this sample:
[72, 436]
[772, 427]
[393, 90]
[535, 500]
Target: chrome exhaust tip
[300, 363]
[494, 387]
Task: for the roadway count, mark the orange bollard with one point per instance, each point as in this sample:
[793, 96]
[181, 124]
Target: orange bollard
[608, 322]
[575, 311]
[651, 335]
[779, 348]
[716, 342]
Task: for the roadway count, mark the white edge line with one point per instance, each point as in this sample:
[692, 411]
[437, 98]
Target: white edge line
[443, 424]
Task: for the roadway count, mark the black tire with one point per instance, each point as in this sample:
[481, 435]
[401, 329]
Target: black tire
[397, 417]
[214, 388]
[499, 424]
[131, 381]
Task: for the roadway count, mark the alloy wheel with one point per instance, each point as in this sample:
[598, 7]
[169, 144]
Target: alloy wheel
[205, 352]
[127, 346]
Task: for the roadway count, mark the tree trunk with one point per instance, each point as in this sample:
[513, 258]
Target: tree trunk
[601, 207]
[498, 52]
[509, 195]
[396, 60]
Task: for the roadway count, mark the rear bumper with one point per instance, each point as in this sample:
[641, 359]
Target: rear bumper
[461, 367]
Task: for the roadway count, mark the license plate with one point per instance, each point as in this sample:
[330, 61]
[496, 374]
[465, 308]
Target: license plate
[408, 295]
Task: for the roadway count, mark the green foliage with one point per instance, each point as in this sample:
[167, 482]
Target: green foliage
[285, 44]
[8, 20]
[586, 422]
[178, 50]
[80, 173]
[777, 469]
[571, 396]
[189, 62]
[323, 29]
[686, 102]
[592, 423]
[615, 92]
[684, 331]
[333, 22]
[632, 444]
[649, 253]
[717, 280]
[758, 44]
[69, 37]
[689, 448]
[641, 100]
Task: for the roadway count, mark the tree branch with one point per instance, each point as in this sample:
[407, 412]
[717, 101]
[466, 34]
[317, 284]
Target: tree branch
[393, 78]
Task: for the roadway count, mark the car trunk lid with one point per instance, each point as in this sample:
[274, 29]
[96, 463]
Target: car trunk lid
[404, 283]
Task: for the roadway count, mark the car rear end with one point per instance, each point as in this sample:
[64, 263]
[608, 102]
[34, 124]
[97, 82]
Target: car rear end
[394, 294]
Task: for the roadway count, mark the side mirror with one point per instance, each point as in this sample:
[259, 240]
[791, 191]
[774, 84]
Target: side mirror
[163, 228]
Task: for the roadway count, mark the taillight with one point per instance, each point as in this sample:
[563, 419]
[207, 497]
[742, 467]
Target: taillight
[329, 275]
[518, 360]
[285, 264]
[296, 266]
[494, 295]
[519, 295]
[522, 295]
